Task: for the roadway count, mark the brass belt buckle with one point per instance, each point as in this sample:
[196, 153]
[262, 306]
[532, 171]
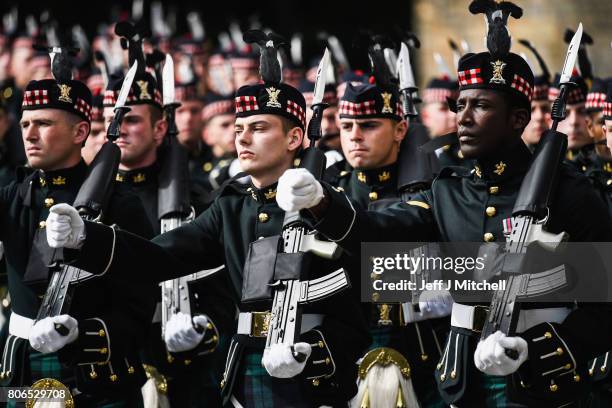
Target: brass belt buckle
[479, 318]
[49, 389]
[260, 322]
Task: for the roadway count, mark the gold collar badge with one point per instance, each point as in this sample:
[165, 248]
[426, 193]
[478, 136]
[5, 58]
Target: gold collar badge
[58, 181]
[500, 168]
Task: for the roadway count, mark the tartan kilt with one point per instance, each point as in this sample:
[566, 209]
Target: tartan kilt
[49, 366]
[255, 388]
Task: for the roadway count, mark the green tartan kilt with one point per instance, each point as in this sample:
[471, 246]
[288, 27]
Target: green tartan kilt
[49, 366]
[255, 388]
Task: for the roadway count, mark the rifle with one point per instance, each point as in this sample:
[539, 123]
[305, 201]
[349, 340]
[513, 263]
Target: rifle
[91, 201]
[530, 215]
[299, 243]
[174, 207]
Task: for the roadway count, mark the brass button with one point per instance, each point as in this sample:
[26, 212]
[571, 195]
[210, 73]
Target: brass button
[443, 377]
[315, 382]
[491, 211]
[548, 335]
[559, 351]
[320, 344]
[576, 378]
[49, 202]
[488, 237]
[453, 374]
[169, 358]
[493, 190]
[209, 326]
[114, 378]
[263, 217]
[42, 224]
[373, 196]
[375, 296]
[340, 189]
[131, 370]
[569, 367]
[101, 333]
[104, 350]
[187, 362]
[207, 167]
[584, 168]
[424, 357]
[554, 387]
[374, 276]
[327, 360]
[93, 375]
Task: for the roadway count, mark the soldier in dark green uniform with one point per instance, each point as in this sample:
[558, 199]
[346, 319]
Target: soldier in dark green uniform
[192, 376]
[371, 143]
[540, 105]
[221, 164]
[493, 110]
[579, 144]
[100, 372]
[269, 130]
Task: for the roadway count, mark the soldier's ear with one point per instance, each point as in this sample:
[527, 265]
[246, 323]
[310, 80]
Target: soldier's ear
[400, 130]
[296, 136]
[82, 129]
[521, 118]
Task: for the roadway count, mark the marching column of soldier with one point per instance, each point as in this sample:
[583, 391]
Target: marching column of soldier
[181, 226]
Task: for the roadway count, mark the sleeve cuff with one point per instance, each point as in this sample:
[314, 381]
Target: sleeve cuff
[339, 217]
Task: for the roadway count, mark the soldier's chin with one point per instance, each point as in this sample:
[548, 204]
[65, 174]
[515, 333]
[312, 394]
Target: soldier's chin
[470, 150]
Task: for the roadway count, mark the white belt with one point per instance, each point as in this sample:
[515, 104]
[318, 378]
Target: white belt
[309, 321]
[20, 326]
[467, 317]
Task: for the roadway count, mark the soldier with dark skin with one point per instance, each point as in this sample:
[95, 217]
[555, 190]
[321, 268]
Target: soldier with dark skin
[493, 110]
[55, 123]
[268, 136]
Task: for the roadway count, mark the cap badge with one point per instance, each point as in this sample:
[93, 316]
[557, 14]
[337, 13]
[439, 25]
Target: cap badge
[144, 92]
[386, 102]
[64, 93]
[273, 95]
[498, 70]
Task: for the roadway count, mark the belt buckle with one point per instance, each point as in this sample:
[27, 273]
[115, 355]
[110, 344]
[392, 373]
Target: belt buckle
[260, 323]
[479, 318]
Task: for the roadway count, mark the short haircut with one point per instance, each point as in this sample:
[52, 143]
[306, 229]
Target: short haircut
[155, 114]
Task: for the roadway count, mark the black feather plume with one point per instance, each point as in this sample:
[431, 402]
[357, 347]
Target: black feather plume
[62, 61]
[380, 70]
[497, 14]
[269, 67]
[132, 40]
[543, 67]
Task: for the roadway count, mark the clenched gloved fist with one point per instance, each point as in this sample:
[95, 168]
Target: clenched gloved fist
[65, 228]
[181, 334]
[490, 356]
[45, 338]
[298, 189]
[280, 362]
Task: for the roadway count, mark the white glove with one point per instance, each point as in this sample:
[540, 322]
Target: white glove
[490, 356]
[435, 303]
[46, 339]
[181, 335]
[280, 362]
[65, 228]
[298, 189]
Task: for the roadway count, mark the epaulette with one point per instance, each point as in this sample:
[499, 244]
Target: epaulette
[336, 171]
[230, 186]
[454, 171]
